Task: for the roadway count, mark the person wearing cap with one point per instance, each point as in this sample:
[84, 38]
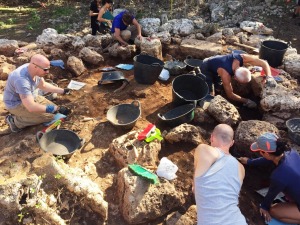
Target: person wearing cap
[218, 178]
[221, 69]
[125, 27]
[21, 97]
[284, 178]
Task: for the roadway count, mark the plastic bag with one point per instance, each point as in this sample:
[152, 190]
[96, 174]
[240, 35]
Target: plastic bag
[166, 169]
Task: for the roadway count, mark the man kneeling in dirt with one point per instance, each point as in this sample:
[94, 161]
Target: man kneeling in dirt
[221, 69]
[21, 99]
[123, 29]
[218, 178]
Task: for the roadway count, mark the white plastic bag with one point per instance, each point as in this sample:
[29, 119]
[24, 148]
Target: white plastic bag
[166, 169]
[164, 75]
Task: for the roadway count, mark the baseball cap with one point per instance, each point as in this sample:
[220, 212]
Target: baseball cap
[265, 142]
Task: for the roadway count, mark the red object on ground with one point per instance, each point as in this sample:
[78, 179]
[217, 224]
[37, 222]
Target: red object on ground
[274, 72]
[146, 132]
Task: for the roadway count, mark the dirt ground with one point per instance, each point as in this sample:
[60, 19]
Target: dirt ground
[94, 101]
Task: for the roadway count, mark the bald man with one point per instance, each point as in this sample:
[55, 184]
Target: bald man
[220, 69]
[218, 178]
[21, 97]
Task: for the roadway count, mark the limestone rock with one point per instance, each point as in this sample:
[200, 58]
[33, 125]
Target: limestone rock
[152, 47]
[183, 27]
[50, 37]
[8, 47]
[58, 53]
[92, 40]
[126, 149]
[119, 51]
[74, 180]
[247, 132]
[186, 133]
[255, 27]
[149, 25]
[76, 66]
[90, 56]
[200, 49]
[223, 111]
[141, 202]
[5, 70]
[280, 99]
[189, 218]
[164, 37]
[78, 43]
[292, 65]
[215, 38]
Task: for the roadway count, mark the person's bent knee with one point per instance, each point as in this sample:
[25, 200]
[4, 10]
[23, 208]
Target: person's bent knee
[125, 34]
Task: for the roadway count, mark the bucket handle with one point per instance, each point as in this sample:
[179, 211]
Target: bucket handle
[156, 64]
[81, 143]
[38, 136]
[160, 116]
[136, 102]
[189, 57]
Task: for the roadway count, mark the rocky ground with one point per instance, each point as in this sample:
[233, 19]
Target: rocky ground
[20, 154]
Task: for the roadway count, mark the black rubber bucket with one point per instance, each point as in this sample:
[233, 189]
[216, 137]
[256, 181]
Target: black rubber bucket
[273, 52]
[188, 88]
[191, 63]
[179, 115]
[147, 68]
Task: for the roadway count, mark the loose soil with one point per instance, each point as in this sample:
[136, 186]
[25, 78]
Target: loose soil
[94, 101]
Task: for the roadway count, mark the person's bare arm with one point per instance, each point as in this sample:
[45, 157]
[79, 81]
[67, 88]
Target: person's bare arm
[119, 38]
[255, 61]
[226, 79]
[47, 87]
[204, 157]
[92, 13]
[32, 106]
[100, 14]
[241, 172]
[138, 27]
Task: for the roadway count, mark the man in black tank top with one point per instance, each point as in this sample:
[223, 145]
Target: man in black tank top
[220, 69]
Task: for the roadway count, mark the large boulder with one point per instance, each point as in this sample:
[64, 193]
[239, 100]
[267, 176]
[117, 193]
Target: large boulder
[186, 133]
[280, 98]
[182, 27]
[164, 37]
[90, 56]
[50, 37]
[247, 132]
[76, 66]
[126, 149]
[123, 52]
[223, 111]
[200, 49]
[5, 70]
[92, 40]
[149, 25]
[189, 218]
[141, 202]
[255, 28]
[8, 47]
[292, 65]
[78, 43]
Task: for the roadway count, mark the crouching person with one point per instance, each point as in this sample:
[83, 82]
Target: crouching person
[218, 178]
[20, 96]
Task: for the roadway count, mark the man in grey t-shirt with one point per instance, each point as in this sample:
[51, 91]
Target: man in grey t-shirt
[21, 99]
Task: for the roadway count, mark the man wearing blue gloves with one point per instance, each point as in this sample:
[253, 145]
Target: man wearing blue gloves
[21, 97]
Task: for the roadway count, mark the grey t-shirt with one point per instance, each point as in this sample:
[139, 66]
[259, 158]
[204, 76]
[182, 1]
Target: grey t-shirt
[19, 82]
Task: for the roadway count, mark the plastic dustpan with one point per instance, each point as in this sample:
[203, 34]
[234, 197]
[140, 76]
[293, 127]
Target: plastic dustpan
[58, 63]
[125, 66]
[144, 173]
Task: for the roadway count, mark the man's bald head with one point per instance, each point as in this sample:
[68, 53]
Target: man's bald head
[40, 60]
[224, 134]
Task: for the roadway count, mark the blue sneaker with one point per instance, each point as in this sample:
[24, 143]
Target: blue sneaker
[10, 121]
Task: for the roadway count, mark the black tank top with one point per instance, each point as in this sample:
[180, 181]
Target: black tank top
[224, 61]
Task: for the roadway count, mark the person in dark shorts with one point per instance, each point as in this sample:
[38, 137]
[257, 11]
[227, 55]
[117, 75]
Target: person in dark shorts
[220, 69]
[105, 17]
[94, 11]
[284, 178]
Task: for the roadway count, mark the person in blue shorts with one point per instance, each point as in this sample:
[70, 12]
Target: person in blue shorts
[125, 27]
[220, 69]
[284, 178]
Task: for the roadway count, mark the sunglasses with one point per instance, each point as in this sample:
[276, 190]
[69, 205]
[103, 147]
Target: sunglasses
[45, 69]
